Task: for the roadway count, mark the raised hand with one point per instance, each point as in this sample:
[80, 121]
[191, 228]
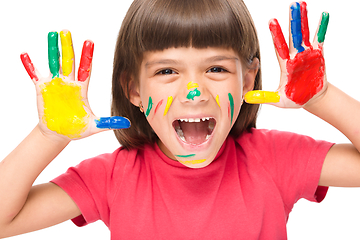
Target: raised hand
[302, 65]
[62, 100]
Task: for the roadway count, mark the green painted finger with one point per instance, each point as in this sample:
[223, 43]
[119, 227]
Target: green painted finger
[53, 53]
[323, 27]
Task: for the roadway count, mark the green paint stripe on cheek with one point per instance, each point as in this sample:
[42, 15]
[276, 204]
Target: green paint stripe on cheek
[231, 100]
[150, 104]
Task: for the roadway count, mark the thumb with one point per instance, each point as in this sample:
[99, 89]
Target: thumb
[107, 123]
[259, 97]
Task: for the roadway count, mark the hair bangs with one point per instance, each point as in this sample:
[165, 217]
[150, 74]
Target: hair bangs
[185, 23]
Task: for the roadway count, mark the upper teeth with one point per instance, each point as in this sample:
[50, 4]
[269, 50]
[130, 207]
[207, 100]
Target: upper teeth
[194, 119]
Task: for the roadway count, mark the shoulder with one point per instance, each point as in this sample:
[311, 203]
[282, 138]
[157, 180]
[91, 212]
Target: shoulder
[275, 138]
[274, 145]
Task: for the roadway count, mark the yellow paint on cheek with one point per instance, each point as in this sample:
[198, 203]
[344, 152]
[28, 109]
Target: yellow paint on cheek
[193, 161]
[67, 53]
[217, 100]
[168, 104]
[64, 110]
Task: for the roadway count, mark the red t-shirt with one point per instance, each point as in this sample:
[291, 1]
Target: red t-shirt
[247, 192]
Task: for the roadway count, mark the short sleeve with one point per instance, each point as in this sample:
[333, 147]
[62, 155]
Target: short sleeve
[90, 186]
[294, 162]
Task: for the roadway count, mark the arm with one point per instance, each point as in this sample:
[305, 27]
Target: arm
[303, 84]
[64, 115]
[342, 164]
[23, 207]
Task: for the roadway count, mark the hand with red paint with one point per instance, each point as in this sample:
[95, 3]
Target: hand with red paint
[62, 100]
[302, 65]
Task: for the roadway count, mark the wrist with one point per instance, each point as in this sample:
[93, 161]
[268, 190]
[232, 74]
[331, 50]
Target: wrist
[57, 140]
[318, 99]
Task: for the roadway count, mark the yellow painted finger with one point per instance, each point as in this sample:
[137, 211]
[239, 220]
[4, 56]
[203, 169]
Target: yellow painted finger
[259, 97]
[67, 52]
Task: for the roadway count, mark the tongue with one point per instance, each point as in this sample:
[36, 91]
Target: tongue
[195, 133]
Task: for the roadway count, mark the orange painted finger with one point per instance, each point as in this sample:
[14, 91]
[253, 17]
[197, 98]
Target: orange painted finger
[29, 67]
[304, 24]
[86, 60]
[278, 39]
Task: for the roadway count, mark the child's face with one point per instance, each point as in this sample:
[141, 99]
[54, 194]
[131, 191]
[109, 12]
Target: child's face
[191, 98]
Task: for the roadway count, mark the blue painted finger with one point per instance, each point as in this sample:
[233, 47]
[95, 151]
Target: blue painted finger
[296, 27]
[112, 123]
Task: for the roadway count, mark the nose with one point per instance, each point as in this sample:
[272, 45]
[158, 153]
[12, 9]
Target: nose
[194, 92]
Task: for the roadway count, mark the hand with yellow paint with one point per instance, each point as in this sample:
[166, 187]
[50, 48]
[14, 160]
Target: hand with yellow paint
[62, 100]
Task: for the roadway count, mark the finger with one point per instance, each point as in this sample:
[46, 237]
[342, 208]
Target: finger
[323, 27]
[278, 39]
[85, 61]
[29, 67]
[67, 53]
[296, 31]
[259, 97]
[53, 53]
[112, 123]
[304, 24]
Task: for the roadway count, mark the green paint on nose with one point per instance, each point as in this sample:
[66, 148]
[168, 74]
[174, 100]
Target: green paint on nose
[192, 94]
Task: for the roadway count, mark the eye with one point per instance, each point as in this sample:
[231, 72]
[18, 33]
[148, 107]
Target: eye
[166, 72]
[217, 70]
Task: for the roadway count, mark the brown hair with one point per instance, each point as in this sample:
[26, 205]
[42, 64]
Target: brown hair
[151, 25]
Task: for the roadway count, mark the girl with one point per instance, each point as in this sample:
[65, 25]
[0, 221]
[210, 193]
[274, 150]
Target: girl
[181, 84]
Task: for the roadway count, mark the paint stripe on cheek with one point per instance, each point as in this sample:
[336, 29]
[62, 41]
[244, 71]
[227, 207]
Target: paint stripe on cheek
[168, 104]
[218, 101]
[150, 104]
[158, 105]
[231, 107]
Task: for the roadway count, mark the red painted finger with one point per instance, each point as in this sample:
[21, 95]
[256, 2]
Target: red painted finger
[304, 24]
[85, 61]
[278, 39]
[29, 67]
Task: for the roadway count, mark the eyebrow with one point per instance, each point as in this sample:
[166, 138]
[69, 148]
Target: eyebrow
[221, 58]
[161, 61]
[208, 60]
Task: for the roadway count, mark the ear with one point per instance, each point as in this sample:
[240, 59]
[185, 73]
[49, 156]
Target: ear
[250, 75]
[134, 92]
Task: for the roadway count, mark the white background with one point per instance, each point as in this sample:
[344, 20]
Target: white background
[24, 27]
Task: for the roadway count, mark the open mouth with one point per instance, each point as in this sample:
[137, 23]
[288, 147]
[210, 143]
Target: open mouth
[194, 131]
